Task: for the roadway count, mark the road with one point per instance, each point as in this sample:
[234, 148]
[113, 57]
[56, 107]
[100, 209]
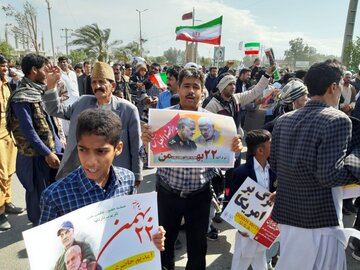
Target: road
[13, 254]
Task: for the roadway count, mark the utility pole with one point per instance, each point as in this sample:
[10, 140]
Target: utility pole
[141, 39]
[349, 27]
[6, 31]
[194, 44]
[51, 32]
[66, 38]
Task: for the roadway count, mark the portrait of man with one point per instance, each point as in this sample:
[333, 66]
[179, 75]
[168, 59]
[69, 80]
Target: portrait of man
[67, 238]
[209, 135]
[73, 258]
[74, 261]
[182, 141]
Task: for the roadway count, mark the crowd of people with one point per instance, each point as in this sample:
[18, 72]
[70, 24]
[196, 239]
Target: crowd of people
[75, 135]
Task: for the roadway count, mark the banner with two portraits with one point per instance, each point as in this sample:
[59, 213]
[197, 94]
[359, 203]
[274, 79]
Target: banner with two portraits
[190, 139]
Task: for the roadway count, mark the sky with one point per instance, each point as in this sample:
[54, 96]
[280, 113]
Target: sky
[273, 23]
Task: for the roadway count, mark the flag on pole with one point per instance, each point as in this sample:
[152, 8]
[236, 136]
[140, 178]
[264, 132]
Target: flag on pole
[159, 80]
[252, 48]
[187, 16]
[209, 32]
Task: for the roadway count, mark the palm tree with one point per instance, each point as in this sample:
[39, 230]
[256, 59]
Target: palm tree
[94, 41]
[124, 53]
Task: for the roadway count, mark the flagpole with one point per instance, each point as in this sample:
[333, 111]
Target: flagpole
[194, 44]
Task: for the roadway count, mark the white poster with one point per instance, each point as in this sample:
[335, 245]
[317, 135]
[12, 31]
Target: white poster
[112, 234]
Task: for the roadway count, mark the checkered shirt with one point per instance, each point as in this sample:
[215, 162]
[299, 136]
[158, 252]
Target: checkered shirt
[186, 179]
[308, 154]
[76, 190]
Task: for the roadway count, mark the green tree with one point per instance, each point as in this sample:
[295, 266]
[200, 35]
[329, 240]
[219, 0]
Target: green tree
[77, 56]
[205, 61]
[94, 41]
[174, 56]
[123, 54]
[26, 30]
[156, 59]
[6, 50]
[299, 52]
[352, 55]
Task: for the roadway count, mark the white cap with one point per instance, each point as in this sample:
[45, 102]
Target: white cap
[191, 65]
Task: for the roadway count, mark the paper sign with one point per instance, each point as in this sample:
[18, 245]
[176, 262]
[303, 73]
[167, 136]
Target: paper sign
[191, 139]
[351, 191]
[112, 234]
[249, 211]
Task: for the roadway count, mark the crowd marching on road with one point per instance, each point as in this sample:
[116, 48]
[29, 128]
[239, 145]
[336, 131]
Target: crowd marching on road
[65, 129]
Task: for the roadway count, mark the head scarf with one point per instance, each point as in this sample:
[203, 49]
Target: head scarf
[293, 90]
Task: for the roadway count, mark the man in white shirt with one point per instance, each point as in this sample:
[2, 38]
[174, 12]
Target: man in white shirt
[348, 93]
[71, 93]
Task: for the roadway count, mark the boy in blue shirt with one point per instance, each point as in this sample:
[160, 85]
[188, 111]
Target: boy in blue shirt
[98, 143]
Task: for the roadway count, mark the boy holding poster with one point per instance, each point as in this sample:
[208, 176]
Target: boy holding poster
[247, 251]
[98, 143]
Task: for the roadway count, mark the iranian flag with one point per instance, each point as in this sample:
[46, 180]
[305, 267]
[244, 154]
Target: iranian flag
[252, 48]
[209, 32]
[159, 80]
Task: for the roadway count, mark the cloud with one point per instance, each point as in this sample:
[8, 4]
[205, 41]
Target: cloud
[160, 20]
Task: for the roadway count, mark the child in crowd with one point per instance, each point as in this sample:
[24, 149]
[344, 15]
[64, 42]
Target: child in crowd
[98, 143]
[247, 251]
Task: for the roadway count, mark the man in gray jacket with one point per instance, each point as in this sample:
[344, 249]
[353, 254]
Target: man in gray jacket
[103, 84]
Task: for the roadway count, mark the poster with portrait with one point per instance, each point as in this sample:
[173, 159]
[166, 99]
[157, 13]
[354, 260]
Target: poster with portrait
[190, 139]
[249, 211]
[351, 191]
[108, 235]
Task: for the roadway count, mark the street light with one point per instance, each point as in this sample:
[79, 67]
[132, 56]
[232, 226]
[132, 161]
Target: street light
[141, 39]
[51, 32]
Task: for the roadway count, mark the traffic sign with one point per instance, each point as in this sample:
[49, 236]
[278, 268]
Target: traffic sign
[219, 53]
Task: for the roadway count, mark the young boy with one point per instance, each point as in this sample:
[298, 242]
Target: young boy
[98, 143]
[248, 252]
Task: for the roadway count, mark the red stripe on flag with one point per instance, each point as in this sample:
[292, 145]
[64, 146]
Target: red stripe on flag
[252, 52]
[214, 41]
[187, 16]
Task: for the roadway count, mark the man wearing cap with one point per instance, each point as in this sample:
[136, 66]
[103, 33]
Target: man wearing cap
[35, 133]
[140, 84]
[8, 153]
[66, 235]
[293, 97]
[229, 103]
[103, 84]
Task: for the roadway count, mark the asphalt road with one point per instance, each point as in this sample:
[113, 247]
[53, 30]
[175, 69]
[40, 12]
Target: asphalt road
[13, 254]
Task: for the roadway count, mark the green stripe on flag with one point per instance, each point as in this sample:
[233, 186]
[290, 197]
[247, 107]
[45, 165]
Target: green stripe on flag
[214, 22]
[252, 44]
[163, 77]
